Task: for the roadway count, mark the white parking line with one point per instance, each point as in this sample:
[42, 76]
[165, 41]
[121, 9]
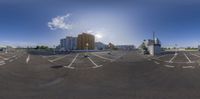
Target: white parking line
[27, 59]
[3, 58]
[11, 60]
[95, 65]
[14, 56]
[103, 57]
[2, 62]
[188, 58]
[156, 62]
[195, 55]
[162, 56]
[184, 67]
[69, 66]
[169, 66]
[171, 60]
[59, 58]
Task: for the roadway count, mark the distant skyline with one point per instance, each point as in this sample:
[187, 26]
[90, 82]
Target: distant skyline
[45, 22]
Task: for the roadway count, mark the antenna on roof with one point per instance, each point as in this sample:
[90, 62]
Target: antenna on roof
[154, 37]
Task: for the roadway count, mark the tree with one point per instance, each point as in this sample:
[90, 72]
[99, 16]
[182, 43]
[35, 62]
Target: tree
[41, 47]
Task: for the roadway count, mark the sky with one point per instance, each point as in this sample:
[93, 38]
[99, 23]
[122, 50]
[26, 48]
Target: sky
[45, 22]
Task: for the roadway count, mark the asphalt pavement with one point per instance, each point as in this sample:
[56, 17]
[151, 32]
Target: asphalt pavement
[120, 75]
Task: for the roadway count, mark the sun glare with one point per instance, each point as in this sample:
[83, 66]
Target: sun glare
[98, 36]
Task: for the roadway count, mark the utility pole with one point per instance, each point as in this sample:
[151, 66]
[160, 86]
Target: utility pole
[154, 43]
[6, 51]
[54, 49]
[154, 37]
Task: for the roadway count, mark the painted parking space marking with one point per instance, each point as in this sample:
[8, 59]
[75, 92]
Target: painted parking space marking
[156, 62]
[69, 66]
[3, 58]
[11, 60]
[170, 66]
[161, 56]
[28, 59]
[2, 63]
[171, 60]
[195, 55]
[14, 56]
[188, 58]
[103, 57]
[95, 65]
[59, 58]
[185, 67]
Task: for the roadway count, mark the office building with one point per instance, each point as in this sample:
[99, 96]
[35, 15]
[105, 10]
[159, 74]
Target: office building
[68, 43]
[86, 41]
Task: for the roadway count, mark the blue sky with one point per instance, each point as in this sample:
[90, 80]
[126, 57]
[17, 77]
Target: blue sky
[33, 22]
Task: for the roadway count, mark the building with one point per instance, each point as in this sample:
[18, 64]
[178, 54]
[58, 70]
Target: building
[100, 46]
[125, 47]
[2, 48]
[111, 46]
[68, 43]
[181, 49]
[153, 47]
[6, 49]
[86, 41]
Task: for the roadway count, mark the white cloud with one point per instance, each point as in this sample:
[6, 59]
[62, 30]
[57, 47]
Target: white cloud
[60, 22]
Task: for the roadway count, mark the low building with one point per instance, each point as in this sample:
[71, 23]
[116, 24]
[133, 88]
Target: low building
[111, 46]
[2, 48]
[181, 49]
[153, 47]
[6, 49]
[100, 46]
[125, 47]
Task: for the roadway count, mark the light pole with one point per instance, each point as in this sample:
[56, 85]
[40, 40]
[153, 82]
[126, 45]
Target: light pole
[109, 45]
[176, 48]
[54, 49]
[86, 54]
[6, 51]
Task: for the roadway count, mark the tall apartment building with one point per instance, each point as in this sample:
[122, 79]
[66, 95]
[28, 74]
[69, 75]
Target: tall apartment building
[68, 43]
[86, 41]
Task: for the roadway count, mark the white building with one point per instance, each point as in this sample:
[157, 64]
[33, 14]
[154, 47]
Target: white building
[153, 46]
[199, 47]
[2, 48]
[100, 46]
[68, 43]
[125, 47]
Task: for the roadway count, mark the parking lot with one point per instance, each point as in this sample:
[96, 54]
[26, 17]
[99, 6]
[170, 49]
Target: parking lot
[119, 75]
[180, 59]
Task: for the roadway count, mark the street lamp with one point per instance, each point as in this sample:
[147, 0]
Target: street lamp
[176, 48]
[109, 45]
[54, 49]
[86, 54]
[6, 51]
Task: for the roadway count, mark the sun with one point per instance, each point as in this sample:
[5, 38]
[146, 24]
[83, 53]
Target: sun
[98, 36]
